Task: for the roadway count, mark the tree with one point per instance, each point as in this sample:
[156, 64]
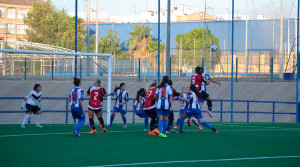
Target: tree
[44, 20]
[108, 43]
[140, 35]
[195, 38]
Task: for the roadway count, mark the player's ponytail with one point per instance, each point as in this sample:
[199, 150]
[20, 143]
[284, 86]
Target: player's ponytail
[76, 81]
[139, 93]
[164, 81]
[194, 89]
[119, 87]
[97, 82]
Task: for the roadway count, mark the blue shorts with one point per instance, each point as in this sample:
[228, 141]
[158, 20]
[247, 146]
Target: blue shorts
[141, 113]
[181, 111]
[194, 112]
[116, 109]
[77, 113]
[163, 112]
[201, 100]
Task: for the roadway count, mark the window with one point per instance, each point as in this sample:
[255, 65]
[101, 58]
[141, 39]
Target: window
[2, 28]
[11, 13]
[11, 28]
[21, 29]
[21, 13]
[2, 12]
[10, 39]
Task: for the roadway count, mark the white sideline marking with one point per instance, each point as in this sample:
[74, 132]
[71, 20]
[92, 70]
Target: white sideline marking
[202, 160]
[132, 131]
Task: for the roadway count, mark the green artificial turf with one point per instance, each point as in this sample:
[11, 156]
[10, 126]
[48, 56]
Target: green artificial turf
[55, 145]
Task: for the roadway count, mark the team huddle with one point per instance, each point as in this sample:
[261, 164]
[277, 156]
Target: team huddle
[155, 104]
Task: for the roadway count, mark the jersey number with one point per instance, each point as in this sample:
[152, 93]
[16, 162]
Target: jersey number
[163, 92]
[74, 97]
[96, 95]
[149, 93]
[193, 80]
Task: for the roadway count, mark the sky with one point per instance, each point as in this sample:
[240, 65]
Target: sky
[270, 8]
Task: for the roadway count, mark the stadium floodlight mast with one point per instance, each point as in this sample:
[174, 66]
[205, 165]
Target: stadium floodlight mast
[109, 56]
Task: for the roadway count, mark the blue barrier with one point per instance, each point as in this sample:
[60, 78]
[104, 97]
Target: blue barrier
[221, 111]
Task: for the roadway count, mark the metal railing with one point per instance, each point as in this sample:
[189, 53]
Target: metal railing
[221, 110]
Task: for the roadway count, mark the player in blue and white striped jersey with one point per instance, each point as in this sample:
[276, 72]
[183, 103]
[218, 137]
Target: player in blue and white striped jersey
[120, 104]
[138, 106]
[194, 109]
[76, 98]
[31, 103]
[183, 106]
[164, 96]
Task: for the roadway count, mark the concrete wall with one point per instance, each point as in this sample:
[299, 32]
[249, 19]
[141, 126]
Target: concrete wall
[276, 91]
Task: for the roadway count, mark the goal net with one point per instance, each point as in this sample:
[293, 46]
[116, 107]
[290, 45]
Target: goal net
[51, 70]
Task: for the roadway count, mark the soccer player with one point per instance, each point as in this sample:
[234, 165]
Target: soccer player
[138, 107]
[31, 103]
[206, 79]
[183, 108]
[171, 115]
[96, 93]
[164, 105]
[150, 108]
[76, 98]
[196, 78]
[194, 109]
[121, 103]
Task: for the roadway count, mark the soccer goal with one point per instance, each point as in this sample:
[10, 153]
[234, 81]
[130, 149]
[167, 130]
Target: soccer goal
[44, 66]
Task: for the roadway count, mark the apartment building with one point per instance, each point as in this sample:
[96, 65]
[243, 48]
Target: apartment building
[12, 13]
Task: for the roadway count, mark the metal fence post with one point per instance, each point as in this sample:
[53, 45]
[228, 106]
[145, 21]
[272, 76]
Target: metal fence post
[25, 69]
[271, 65]
[67, 111]
[273, 115]
[236, 69]
[139, 69]
[80, 68]
[52, 68]
[248, 112]
[221, 111]
[170, 68]
[133, 114]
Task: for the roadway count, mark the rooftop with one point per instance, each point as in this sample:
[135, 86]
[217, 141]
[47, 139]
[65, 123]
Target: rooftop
[20, 2]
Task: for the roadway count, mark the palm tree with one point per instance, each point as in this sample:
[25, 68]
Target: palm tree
[139, 35]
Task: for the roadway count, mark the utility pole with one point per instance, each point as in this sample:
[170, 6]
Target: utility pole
[158, 43]
[194, 63]
[246, 41]
[180, 57]
[88, 38]
[96, 49]
[281, 41]
[168, 64]
[76, 25]
[203, 47]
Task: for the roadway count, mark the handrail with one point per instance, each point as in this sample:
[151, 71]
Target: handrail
[220, 111]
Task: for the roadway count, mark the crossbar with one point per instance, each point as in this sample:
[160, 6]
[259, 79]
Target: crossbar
[54, 53]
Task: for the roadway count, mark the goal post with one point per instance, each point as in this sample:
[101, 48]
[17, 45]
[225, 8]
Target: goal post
[29, 53]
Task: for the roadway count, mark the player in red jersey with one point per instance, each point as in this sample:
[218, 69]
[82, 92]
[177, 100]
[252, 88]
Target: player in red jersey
[96, 94]
[150, 108]
[196, 78]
